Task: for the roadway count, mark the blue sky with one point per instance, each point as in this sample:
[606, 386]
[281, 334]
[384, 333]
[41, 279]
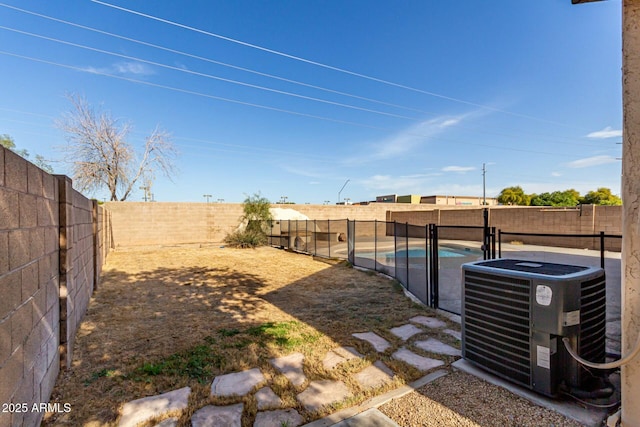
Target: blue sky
[399, 98]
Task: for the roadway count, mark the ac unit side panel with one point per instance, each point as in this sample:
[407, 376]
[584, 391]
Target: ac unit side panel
[496, 325]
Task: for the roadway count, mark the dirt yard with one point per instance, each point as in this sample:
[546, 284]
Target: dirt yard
[168, 318]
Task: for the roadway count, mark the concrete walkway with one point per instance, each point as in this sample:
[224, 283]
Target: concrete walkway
[314, 395]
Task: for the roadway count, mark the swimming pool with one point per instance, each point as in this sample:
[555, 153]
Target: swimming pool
[443, 252]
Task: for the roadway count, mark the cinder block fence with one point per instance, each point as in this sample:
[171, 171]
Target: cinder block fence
[53, 241]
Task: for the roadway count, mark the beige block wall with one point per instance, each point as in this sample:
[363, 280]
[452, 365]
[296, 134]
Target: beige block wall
[586, 219]
[29, 310]
[152, 224]
[47, 274]
[165, 223]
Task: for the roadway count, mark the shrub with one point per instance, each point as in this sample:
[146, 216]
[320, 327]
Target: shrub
[246, 239]
[256, 215]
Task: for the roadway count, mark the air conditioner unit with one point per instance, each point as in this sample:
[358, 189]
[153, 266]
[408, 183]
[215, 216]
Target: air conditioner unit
[515, 314]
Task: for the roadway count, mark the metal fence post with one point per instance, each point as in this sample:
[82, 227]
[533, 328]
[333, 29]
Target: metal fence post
[435, 267]
[315, 238]
[406, 249]
[329, 236]
[395, 249]
[375, 245]
[602, 249]
[354, 239]
[500, 243]
[426, 264]
[493, 243]
[485, 234]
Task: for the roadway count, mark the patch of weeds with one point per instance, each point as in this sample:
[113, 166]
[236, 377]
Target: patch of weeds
[196, 363]
[210, 340]
[99, 374]
[152, 369]
[282, 334]
[228, 332]
[237, 344]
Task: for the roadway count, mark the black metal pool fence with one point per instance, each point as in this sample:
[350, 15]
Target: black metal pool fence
[426, 259]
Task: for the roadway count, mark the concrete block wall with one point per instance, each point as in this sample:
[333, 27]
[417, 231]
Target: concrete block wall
[153, 224]
[165, 223]
[45, 255]
[586, 219]
[29, 283]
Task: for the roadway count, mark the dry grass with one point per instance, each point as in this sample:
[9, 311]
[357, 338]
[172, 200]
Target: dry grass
[170, 318]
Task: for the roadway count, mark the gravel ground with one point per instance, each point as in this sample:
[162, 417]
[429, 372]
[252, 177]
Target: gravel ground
[460, 399]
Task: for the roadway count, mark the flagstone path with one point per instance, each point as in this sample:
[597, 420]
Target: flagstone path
[313, 395]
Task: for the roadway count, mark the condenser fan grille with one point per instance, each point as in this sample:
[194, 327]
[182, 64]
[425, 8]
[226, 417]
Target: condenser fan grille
[497, 324]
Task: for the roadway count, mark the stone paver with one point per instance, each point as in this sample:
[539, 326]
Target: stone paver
[374, 376]
[339, 355]
[456, 334]
[435, 346]
[267, 399]
[237, 383]
[169, 422]
[430, 322]
[218, 416]
[288, 417]
[291, 367]
[143, 409]
[378, 343]
[323, 392]
[405, 332]
[419, 362]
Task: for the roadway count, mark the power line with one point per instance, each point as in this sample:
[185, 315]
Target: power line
[297, 113]
[133, 58]
[326, 66]
[547, 137]
[196, 73]
[201, 58]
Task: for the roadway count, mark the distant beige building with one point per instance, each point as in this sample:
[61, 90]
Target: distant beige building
[413, 199]
[416, 199]
[457, 200]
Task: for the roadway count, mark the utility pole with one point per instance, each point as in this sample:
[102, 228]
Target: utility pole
[146, 189]
[484, 185]
[207, 196]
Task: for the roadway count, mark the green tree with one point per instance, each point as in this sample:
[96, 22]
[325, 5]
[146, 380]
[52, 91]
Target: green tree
[514, 196]
[7, 142]
[602, 196]
[254, 223]
[557, 198]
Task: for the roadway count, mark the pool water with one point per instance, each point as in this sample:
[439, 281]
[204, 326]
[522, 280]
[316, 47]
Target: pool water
[443, 252]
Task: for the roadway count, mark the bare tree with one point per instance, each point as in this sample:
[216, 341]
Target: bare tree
[101, 157]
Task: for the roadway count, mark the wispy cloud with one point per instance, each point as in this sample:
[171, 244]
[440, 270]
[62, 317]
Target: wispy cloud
[405, 141]
[591, 161]
[458, 169]
[123, 68]
[556, 174]
[607, 132]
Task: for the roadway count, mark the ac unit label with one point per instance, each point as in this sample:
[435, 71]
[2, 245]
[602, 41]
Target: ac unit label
[571, 318]
[544, 295]
[544, 357]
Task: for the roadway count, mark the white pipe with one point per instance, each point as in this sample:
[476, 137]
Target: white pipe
[609, 365]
